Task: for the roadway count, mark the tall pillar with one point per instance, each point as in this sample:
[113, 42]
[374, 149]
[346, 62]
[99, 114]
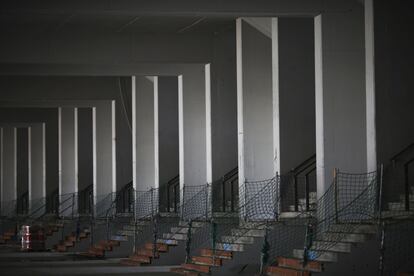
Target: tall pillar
[68, 158]
[68, 152]
[370, 86]
[104, 149]
[37, 165]
[145, 133]
[9, 169]
[341, 131]
[257, 105]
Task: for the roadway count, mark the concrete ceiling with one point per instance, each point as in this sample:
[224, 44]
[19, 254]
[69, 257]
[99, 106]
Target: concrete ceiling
[49, 23]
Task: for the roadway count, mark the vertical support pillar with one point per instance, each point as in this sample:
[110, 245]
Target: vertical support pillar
[370, 86]
[68, 180]
[9, 169]
[340, 94]
[68, 158]
[145, 132]
[257, 102]
[37, 165]
[104, 149]
[195, 126]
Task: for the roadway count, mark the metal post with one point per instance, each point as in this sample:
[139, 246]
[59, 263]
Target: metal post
[188, 242]
[206, 194]
[307, 191]
[223, 191]
[407, 188]
[380, 194]
[92, 216]
[335, 183]
[382, 250]
[183, 204]
[295, 188]
[73, 203]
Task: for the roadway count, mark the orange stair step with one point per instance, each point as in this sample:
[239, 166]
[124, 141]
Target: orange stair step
[159, 246]
[197, 267]
[182, 271]
[207, 260]
[282, 271]
[312, 266]
[147, 252]
[141, 258]
[218, 253]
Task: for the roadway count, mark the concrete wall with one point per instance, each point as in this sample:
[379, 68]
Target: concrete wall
[22, 161]
[168, 128]
[224, 103]
[296, 91]
[76, 88]
[340, 94]
[394, 82]
[85, 157]
[50, 117]
[9, 176]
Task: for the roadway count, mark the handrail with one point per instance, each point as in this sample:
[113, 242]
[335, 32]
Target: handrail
[395, 156]
[231, 173]
[298, 167]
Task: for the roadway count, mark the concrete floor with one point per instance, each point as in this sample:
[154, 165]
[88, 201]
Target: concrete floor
[16, 263]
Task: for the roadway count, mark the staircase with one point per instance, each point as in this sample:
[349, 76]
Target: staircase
[337, 240]
[124, 235]
[70, 240]
[399, 206]
[146, 253]
[226, 249]
[7, 236]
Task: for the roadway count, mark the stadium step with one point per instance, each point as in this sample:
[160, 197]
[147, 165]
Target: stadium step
[197, 267]
[230, 247]
[333, 246]
[237, 239]
[312, 266]
[211, 261]
[228, 255]
[316, 255]
[282, 271]
[70, 240]
[146, 253]
[183, 271]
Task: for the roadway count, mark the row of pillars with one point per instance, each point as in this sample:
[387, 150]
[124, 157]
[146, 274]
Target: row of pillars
[344, 105]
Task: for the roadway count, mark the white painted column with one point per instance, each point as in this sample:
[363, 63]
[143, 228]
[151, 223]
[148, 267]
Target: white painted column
[68, 178]
[37, 166]
[340, 96]
[370, 86]
[257, 105]
[9, 169]
[145, 133]
[104, 149]
[68, 158]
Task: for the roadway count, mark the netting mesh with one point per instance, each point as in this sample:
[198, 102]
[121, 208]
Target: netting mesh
[196, 202]
[398, 246]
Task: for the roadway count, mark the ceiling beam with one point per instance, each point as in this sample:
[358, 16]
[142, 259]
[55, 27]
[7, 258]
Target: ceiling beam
[182, 7]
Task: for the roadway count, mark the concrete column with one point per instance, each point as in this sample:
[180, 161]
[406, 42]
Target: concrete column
[370, 86]
[194, 116]
[104, 149]
[145, 133]
[37, 165]
[341, 131]
[68, 150]
[9, 169]
[257, 102]
[68, 159]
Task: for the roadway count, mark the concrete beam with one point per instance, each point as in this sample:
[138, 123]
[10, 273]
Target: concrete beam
[182, 7]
